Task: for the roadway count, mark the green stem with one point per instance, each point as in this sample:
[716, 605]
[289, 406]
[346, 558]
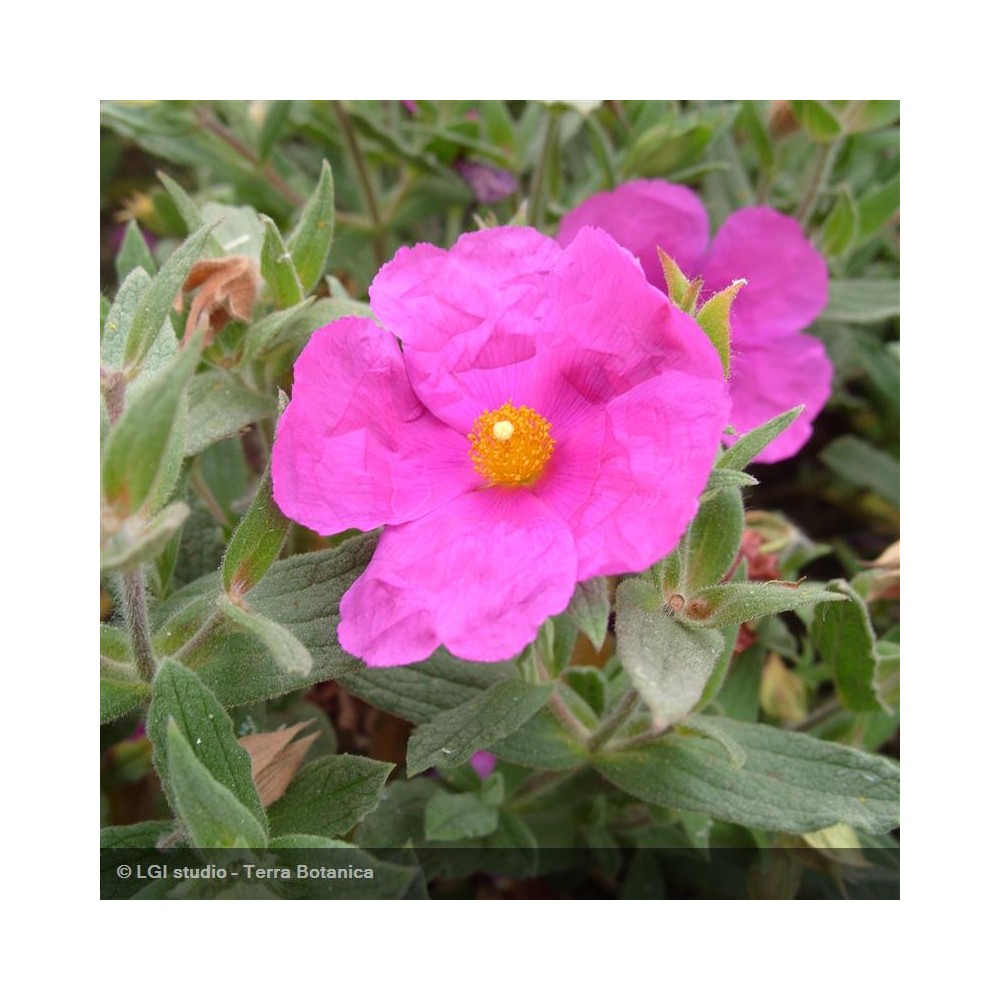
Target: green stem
[365, 179]
[621, 714]
[818, 714]
[537, 192]
[562, 712]
[212, 124]
[823, 163]
[540, 784]
[136, 612]
[205, 631]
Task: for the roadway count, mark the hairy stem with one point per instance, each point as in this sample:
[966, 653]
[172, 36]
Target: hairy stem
[621, 714]
[136, 612]
[365, 179]
[204, 632]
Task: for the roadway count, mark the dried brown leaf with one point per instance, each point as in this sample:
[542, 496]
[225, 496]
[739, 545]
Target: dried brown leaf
[275, 757]
[227, 289]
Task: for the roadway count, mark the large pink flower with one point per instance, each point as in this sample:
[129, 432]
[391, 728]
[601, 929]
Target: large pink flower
[551, 417]
[774, 365]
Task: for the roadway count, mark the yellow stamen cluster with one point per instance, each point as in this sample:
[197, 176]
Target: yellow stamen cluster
[510, 445]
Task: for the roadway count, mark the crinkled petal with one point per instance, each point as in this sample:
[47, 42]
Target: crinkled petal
[775, 374]
[355, 448]
[642, 215]
[479, 575]
[786, 276]
[627, 481]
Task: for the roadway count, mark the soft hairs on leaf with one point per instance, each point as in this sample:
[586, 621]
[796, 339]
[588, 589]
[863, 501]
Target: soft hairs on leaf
[623, 389]
[775, 367]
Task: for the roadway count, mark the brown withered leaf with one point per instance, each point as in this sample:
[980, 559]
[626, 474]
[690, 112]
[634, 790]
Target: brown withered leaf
[274, 759]
[227, 288]
[885, 575]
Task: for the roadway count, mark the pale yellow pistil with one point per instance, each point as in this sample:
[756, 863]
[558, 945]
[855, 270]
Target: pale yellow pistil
[511, 445]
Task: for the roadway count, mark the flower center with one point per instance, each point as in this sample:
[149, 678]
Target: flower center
[510, 445]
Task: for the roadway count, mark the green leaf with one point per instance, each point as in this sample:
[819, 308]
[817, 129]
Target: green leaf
[256, 542]
[260, 334]
[147, 834]
[790, 782]
[877, 207]
[456, 817]
[139, 541]
[542, 742]
[590, 608]
[844, 636]
[667, 662]
[120, 694]
[733, 603]
[180, 696]
[330, 796]
[705, 725]
[423, 691]
[864, 466]
[143, 454]
[274, 121]
[133, 253]
[189, 212]
[211, 813]
[301, 593]
[862, 300]
[309, 244]
[739, 696]
[287, 651]
[841, 226]
[713, 540]
[713, 318]
[452, 737]
[220, 405]
[120, 316]
[277, 267]
[665, 147]
[751, 444]
[820, 124]
[159, 297]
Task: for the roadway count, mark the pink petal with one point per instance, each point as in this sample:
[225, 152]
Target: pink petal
[786, 277]
[642, 215]
[772, 375]
[627, 482]
[483, 763]
[479, 575]
[355, 448]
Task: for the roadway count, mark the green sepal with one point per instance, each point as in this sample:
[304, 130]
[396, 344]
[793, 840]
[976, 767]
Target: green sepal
[133, 253]
[310, 242]
[143, 454]
[733, 603]
[159, 297]
[138, 541]
[210, 812]
[682, 291]
[277, 267]
[712, 542]
[330, 796]
[724, 479]
[844, 636]
[180, 697]
[256, 542]
[790, 782]
[751, 444]
[713, 318]
[667, 662]
[452, 737]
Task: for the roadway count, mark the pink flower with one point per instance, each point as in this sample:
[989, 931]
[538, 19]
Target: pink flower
[774, 365]
[483, 763]
[551, 417]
